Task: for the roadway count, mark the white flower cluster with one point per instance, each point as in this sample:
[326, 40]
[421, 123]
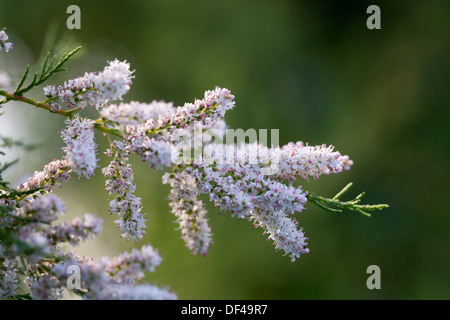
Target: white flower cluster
[95, 89]
[190, 211]
[134, 113]
[245, 192]
[126, 205]
[3, 44]
[53, 175]
[114, 278]
[206, 111]
[77, 231]
[156, 152]
[250, 181]
[34, 234]
[152, 131]
[9, 277]
[302, 161]
[162, 118]
[44, 209]
[235, 177]
[81, 148]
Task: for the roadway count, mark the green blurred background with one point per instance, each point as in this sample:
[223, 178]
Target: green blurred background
[309, 68]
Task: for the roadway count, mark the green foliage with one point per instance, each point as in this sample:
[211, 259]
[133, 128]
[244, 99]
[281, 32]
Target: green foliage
[335, 205]
[3, 167]
[48, 69]
[9, 142]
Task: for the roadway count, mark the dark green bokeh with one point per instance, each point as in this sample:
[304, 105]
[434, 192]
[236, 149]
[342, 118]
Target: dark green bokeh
[313, 70]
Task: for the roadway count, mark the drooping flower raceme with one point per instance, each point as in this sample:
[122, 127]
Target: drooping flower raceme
[243, 190]
[81, 148]
[131, 222]
[190, 211]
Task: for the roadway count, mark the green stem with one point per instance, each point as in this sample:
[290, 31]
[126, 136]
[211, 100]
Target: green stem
[68, 114]
[344, 190]
[100, 126]
[11, 96]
